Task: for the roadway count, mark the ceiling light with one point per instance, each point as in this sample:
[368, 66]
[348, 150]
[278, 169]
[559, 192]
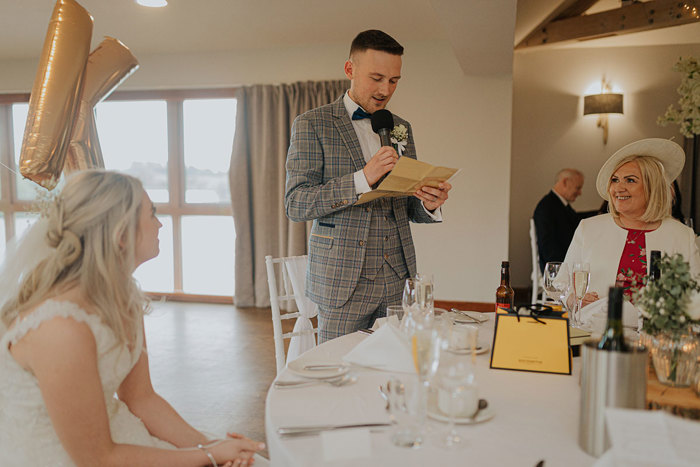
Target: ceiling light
[153, 3]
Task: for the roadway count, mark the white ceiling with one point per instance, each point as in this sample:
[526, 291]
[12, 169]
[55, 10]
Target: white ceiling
[218, 25]
[476, 29]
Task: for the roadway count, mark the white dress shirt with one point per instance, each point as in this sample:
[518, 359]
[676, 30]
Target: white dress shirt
[370, 144]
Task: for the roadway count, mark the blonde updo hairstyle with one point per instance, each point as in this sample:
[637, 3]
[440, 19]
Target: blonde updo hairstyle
[657, 191]
[92, 226]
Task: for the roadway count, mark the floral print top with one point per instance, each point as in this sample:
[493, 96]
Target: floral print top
[633, 263]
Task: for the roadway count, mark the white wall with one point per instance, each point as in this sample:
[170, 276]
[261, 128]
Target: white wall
[550, 131]
[459, 121]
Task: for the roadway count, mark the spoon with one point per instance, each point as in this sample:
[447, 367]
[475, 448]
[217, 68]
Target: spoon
[483, 403]
[337, 382]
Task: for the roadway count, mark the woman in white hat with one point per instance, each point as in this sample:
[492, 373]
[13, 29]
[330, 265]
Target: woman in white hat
[636, 182]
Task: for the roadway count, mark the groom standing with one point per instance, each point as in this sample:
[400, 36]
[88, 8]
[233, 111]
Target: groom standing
[359, 256]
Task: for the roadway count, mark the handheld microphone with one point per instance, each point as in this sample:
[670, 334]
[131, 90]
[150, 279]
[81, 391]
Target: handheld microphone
[382, 124]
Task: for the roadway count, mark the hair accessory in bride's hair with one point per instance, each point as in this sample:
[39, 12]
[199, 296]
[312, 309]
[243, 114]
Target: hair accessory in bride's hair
[45, 199]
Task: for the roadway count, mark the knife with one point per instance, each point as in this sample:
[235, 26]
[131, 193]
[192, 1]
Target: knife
[335, 366]
[312, 430]
[473, 319]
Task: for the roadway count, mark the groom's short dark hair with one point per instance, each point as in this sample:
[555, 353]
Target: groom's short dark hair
[376, 40]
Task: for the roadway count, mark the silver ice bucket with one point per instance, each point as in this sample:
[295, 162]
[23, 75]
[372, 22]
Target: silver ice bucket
[608, 379]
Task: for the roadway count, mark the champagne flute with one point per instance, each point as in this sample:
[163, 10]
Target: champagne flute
[557, 281]
[424, 292]
[581, 279]
[408, 301]
[409, 294]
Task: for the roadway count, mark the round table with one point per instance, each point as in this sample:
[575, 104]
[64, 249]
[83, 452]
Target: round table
[536, 418]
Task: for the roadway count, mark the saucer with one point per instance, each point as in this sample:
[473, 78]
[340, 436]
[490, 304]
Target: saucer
[434, 412]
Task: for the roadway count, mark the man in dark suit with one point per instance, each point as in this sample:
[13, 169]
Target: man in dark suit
[555, 219]
[359, 255]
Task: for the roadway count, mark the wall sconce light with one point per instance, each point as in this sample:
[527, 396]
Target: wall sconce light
[603, 104]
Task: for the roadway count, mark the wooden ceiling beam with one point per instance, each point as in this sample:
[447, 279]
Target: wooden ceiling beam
[576, 9]
[654, 14]
[559, 11]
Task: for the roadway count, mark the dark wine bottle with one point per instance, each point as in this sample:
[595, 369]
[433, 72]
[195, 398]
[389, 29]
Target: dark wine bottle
[654, 259]
[504, 292]
[613, 338]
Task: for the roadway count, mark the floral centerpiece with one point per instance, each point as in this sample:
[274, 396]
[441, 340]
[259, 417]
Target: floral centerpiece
[688, 114]
[670, 305]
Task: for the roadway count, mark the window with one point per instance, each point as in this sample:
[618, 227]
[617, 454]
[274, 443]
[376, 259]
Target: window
[134, 139]
[178, 143]
[208, 144]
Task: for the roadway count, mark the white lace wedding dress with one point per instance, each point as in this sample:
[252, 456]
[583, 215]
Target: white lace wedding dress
[27, 436]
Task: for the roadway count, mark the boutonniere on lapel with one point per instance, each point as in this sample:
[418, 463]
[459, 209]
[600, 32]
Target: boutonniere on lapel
[399, 138]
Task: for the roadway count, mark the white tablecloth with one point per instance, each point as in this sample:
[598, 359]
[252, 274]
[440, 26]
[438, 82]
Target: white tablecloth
[536, 418]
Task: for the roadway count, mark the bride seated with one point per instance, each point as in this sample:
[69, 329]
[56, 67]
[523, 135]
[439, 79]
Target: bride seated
[75, 387]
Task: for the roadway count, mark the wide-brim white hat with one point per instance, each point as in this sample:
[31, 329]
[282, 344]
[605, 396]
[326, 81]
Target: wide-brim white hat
[670, 155]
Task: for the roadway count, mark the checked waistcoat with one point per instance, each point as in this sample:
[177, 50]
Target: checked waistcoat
[383, 241]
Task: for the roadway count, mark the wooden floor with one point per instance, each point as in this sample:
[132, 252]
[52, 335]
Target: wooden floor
[213, 363]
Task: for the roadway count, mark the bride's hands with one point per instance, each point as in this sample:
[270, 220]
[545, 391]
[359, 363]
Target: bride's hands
[237, 451]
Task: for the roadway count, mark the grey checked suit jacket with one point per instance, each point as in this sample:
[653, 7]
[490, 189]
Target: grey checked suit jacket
[323, 155]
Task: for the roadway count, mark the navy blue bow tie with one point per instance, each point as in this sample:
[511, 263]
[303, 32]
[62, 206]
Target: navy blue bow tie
[359, 114]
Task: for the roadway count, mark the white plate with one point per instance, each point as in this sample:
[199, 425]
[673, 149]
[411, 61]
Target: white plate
[297, 367]
[433, 412]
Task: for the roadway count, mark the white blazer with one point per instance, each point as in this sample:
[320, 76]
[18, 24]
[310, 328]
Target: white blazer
[599, 241]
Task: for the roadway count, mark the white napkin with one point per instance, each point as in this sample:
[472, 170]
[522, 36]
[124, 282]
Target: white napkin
[630, 313]
[378, 323]
[387, 349]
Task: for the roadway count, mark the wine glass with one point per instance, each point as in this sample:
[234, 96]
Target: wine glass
[456, 393]
[581, 279]
[557, 281]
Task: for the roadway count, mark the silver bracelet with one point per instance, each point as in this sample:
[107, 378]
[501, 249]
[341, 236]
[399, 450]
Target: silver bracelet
[206, 451]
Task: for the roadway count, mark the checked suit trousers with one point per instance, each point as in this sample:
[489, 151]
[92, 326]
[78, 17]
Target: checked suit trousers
[381, 281]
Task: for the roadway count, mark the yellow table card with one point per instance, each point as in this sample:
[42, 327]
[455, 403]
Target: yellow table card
[527, 344]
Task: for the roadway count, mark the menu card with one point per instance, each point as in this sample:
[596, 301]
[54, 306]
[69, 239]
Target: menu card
[652, 438]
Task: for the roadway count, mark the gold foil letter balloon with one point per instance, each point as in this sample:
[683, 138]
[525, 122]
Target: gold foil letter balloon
[107, 67]
[53, 104]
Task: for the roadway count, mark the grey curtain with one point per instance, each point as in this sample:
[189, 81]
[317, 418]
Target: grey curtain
[257, 175]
